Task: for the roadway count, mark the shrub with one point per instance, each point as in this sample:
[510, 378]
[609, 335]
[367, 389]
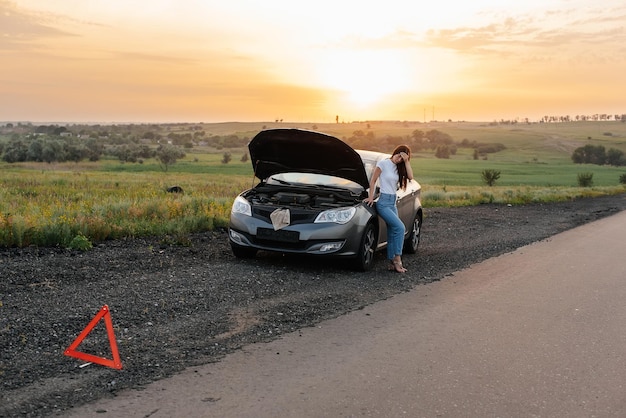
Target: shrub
[585, 179]
[490, 148]
[622, 179]
[490, 176]
[80, 242]
[443, 151]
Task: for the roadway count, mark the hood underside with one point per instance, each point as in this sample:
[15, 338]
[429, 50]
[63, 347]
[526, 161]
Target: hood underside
[293, 150]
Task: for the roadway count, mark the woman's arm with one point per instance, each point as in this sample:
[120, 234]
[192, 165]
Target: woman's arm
[409, 169]
[407, 164]
[370, 197]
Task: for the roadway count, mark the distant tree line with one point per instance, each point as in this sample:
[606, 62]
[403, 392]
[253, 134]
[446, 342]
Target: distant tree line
[50, 149]
[584, 118]
[597, 154]
[127, 143]
[440, 142]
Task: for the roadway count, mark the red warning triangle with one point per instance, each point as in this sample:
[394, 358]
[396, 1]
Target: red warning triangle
[116, 363]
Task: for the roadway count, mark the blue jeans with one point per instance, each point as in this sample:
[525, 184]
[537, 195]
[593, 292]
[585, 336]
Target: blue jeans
[386, 207]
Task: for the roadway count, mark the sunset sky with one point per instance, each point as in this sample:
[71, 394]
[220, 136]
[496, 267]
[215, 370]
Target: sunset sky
[118, 61]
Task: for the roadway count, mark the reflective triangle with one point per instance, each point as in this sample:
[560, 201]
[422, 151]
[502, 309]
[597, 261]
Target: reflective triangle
[116, 363]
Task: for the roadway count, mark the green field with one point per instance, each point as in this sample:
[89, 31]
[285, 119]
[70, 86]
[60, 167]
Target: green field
[75, 204]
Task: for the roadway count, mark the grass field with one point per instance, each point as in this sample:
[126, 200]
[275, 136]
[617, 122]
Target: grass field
[72, 205]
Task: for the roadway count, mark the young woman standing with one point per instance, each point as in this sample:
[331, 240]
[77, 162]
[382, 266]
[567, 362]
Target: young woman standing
[393, 172]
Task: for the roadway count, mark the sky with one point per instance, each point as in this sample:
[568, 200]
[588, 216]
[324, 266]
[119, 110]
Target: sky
[158, 61]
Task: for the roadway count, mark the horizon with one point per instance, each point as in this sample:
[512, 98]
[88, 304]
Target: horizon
[286, 122]
[588, 117]
[119, 62]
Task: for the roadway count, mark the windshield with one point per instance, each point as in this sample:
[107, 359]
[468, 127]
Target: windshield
[369, 165]
[370, 158]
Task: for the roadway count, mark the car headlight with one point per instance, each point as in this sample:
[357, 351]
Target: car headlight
[241, 205]
[338, 216]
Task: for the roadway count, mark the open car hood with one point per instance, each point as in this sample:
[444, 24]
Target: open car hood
[294, 150]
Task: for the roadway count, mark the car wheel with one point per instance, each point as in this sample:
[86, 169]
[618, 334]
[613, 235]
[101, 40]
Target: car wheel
[243, 252]
[365, 258]
[413, 239]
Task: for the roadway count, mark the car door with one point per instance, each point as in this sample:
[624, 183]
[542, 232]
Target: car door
[405, 201]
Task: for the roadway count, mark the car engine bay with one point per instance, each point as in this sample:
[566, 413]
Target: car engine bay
[306, 198]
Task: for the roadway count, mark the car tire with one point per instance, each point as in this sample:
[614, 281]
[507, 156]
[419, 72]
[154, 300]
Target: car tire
[412, 241]
[243, 252]
[365, 258]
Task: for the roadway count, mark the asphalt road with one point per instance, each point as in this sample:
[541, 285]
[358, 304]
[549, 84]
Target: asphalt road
[540, 332]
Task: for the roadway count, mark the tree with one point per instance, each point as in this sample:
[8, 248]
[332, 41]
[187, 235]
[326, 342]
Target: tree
[167, 155]
[417, 135]
[76, 152]
[436, 138]
[589, 154]
[35, 150]
[615, 157]
[53, 151]
[94, 149]
[417, 139]
[59, 130]
[15, 151]
[226, 158]
[490, 176]
[443, 151]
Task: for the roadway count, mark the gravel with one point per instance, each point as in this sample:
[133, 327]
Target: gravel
[175, 306]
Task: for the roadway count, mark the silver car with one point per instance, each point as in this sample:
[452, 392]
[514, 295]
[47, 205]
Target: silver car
[310, 200]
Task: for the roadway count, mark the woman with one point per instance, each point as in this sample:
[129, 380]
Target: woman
[393, 172]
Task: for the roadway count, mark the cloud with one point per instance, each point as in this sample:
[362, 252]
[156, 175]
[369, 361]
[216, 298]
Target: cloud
[544, 34]
[155, 58]
[21, 29]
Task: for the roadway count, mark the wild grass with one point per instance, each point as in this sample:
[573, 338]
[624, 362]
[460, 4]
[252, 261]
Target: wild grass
[48, 208]
[458, 196]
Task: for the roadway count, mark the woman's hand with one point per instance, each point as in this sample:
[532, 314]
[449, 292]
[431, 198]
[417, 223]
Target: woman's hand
[369, 201]
[405, 156]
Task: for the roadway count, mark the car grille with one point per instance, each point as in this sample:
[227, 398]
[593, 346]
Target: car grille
[298, 216]
[267, 234]
[270, 241]
[299, 246]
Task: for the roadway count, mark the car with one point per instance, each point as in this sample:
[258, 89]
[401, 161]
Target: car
[310, 200]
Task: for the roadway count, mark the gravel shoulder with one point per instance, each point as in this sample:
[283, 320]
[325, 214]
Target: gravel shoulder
[174, 306]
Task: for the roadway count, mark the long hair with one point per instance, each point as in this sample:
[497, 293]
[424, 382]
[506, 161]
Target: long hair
[402, 175]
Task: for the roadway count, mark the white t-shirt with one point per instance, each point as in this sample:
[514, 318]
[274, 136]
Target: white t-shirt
[389, 177]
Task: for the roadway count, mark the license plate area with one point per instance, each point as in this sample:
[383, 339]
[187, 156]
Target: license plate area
[280, 235]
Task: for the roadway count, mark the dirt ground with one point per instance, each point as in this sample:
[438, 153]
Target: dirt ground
[177, 306]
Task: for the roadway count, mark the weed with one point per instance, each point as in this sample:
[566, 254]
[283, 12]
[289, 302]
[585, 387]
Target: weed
[585, 179]
[80, 242]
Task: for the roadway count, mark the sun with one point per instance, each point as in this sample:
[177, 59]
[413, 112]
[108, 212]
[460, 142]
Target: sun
[365, 77]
